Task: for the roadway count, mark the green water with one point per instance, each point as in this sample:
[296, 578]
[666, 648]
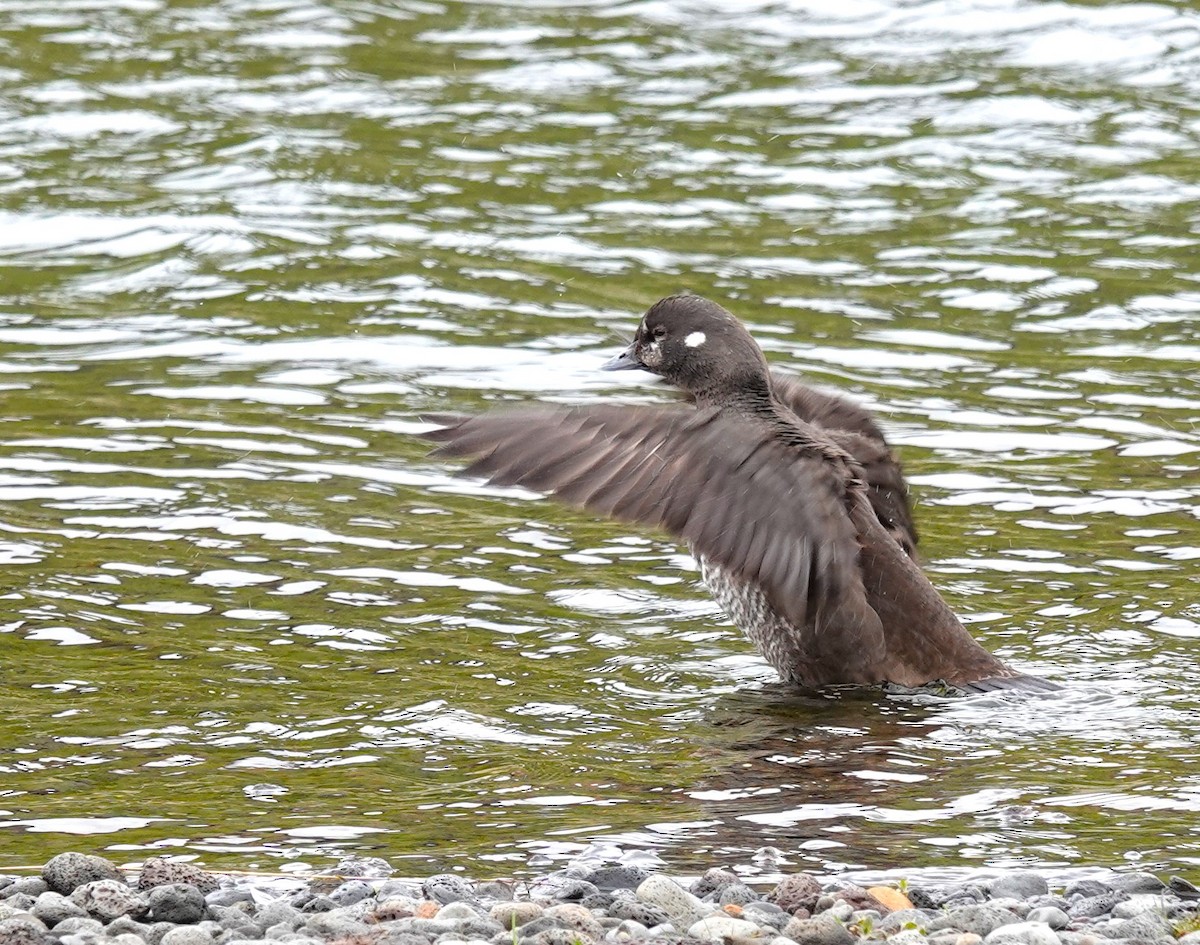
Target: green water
[245, 246]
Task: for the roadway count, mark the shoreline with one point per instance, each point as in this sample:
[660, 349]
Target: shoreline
[80, 899]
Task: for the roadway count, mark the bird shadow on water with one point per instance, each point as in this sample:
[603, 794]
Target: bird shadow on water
[876, 780]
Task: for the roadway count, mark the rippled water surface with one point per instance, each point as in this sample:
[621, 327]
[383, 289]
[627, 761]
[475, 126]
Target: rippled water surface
[243, 247]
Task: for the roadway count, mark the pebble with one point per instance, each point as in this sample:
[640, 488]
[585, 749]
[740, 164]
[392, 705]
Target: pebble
[1022, 933]
[176, 903]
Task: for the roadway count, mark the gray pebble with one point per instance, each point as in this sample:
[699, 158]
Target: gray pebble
[712, 880]
[634, 910]
[350, 892]
[618, 877]
[1192, 938]
[982, 919]
[278, 913]
[577, 918]
[457, 911]
[52, 908]
[335, 925]
[74, 924]
[820, 930]
[558, 937]
[1137, 883]
[1147, 927]
[446, 888]
[1093, 906]
[683, 908]
[495, 891]
[364, 867]
[229, 896]
[32, 886]
[1136, 904]
[514, 914]
[23, 929]
[108, 899]
[1020, 885]
[158, 871]
[795, 892]
[1051, 915]
[627, 931]
[125, 938]
[68, 871]
[187, 935]
[397, 889]
[736, 894]
[1022, 933]
[908, 937]
[180, 903]
[722, 927]
[897, 920]
[1087, 889]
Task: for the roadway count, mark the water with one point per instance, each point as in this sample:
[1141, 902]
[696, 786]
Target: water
[244, 246]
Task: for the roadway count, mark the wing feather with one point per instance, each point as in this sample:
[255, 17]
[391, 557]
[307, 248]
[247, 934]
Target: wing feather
[770, 513]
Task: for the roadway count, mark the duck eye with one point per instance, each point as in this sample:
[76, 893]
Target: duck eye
[659, 333]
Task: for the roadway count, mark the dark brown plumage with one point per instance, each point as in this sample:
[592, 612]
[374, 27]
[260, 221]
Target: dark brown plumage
[790, 498]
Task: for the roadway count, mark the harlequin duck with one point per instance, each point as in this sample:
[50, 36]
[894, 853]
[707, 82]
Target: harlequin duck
[790, 499]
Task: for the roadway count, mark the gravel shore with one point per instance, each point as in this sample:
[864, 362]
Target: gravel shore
[80, 900]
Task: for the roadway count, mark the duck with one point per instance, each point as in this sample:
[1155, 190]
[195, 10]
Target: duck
[790, 499]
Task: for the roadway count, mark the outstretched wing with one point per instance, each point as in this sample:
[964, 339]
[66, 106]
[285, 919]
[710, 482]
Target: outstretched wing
[773, 514]
[855, 430]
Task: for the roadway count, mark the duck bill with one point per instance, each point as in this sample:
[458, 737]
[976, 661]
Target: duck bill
[627, 360]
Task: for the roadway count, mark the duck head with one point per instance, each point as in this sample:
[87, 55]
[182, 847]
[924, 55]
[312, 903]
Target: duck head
[699, 347]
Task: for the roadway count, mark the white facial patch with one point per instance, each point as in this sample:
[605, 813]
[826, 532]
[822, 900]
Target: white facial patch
[695, 339]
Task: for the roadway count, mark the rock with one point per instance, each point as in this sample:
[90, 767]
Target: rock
[908, 937]
[333, 925]
[187, 935]
[577, 918]
[634, 910]
[798, 891]
[77, 924]
[982, 919]
[890, 899]
[627, 931]
[364, 867]
[951, 937]
[1052, 916]
[721, 928]
[278, 913]
[712, 880]
[1087, 889]
[1192, 938]
[1021, 885]
[396, 889]
[1141, 902]
[618, 877]
[558, 937]
[157, 871]
[1022, 933]
[515, 914]
[736, 894]
[684, 909]
[232, 895]
[457, 912]
[68, 871]
[125, 938]
[840, 910]
[32, 886]
[52, 908]
[23, 929]
[1147, 927]
[350, 892]
[820, 930]
[897, 921]
[1093, 906]
[598, 902]
[180, 903]
[108, 899]
[1182, 888]
[446, 888]
[1137, 883]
